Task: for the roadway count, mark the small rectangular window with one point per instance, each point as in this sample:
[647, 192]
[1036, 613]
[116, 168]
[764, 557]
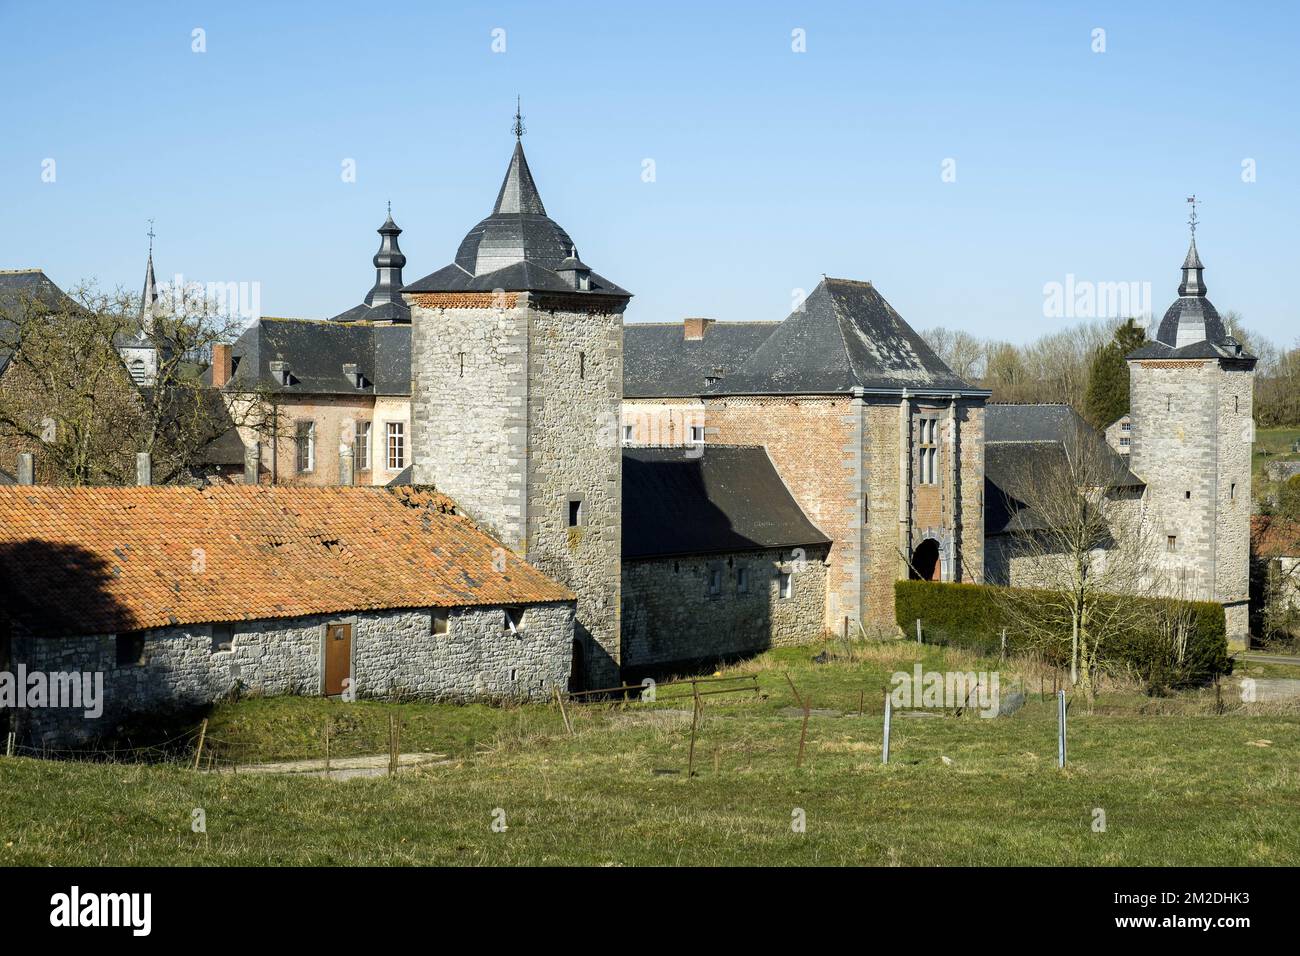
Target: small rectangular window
[715, 582]
[361, 450]
[742, 580]
[697, 434]
[785, 584]
[1171, 543]
[1187, 495]
[1232, 493]
[438, 621]
[130, 649]
[514, 619]
[305, 435]
[582, 365]
[627, 433]
[575, 513]
[222, 636]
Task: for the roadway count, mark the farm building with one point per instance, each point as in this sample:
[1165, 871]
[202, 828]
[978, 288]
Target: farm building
[180, 596]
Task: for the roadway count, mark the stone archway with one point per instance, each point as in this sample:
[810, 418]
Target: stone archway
[926, 565]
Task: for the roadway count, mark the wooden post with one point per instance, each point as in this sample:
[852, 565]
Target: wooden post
[327, 747]
[392, 745]
[203, 733]
[695, 722]
[884, 749]
[1004, 642]
[803, 734]
[9, 745]
[559, 699]
[1060, 729]
[797, 699]
[918, 630]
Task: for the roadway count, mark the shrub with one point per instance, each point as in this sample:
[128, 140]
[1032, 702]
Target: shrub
[973, 616]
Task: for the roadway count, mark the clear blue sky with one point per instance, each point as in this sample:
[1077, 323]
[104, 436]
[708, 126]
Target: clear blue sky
[772, 167]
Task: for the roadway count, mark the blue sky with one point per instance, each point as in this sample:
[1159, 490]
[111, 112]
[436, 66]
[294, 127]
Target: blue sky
[771, 167]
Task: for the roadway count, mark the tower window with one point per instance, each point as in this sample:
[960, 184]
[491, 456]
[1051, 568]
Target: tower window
[697, 434]
[575, 513]
[1187, 495]
[1232, 492]
[1171, 543]
[461, 357]
[582, 365]
[627, 433]
[929, 453]
[1236, 404]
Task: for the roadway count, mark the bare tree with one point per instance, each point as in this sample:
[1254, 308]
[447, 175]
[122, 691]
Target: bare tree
[1080, 538]
[67, 395]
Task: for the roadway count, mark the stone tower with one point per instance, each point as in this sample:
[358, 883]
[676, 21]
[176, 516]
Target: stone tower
[517, 384]
[1191, 405]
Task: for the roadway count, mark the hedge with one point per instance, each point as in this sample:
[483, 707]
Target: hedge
[972, 616]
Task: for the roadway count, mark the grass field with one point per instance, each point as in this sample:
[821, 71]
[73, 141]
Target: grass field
[1179, 782]
[1273, 444]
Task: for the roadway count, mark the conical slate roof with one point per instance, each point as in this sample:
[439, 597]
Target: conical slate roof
[1191, 327]
[518, 248]
[845, 336]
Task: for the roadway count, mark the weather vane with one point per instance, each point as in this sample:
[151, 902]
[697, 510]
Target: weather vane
[1191, 221]
[519, 127]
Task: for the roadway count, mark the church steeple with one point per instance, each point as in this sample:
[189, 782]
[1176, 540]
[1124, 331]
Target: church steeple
[149, 298]
[1193, 282]
[388, 265]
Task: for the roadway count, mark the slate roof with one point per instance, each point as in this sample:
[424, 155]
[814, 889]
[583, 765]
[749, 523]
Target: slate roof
[659, 362]
[1024, 442]
[104, 560]
[317, 350]
[384, 302]
[17, 285]
[729, 498]
[518, 248]
[845, 336]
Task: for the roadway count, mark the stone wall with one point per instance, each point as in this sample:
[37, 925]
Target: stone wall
[670, 616]
[393, 652]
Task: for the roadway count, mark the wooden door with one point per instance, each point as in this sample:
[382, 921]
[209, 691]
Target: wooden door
[338, 657]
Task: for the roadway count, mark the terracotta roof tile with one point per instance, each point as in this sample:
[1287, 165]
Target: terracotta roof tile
[103, 560]
[1273, 537]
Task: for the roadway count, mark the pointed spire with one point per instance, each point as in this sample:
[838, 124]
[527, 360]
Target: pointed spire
[388, 265]
[519, 128]
[518, 191]
[149, 298]
[1193, 282]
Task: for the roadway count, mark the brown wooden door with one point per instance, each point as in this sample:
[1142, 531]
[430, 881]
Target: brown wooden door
[338, 657]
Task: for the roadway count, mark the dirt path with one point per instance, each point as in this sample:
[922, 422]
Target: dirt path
[344, 768]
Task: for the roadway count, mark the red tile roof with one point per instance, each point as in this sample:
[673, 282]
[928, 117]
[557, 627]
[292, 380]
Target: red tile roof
[104, 560]
[1272, 537]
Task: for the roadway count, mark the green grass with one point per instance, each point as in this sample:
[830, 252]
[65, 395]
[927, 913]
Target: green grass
[1272, 444]
[1178, 784]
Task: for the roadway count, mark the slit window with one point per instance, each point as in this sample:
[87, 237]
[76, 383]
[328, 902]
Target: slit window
[582, 365]
[742, 580]
[575, 513]
[784, 585]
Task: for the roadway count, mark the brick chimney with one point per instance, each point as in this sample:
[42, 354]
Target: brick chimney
[695, 328]
[220, 365]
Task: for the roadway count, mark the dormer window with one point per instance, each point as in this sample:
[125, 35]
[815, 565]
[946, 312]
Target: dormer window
[280, 373]
[584, 282]
[352, 372]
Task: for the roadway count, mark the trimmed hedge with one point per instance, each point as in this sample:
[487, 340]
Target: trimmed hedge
[972, 616]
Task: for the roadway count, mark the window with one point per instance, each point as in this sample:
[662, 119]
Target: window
[1126, 426]
[627, 433]
[1232, 493]
[461, 357]
[1187, 495]
[438, 622]
[715, 582]
[130, 649]
[1171, 543]
[697, 434]
[575, 513]
[306, 438]
[514, 620]
[1236, 404]
[929, 453]
[396, 446]
[361, 451]
[1123, 442]
[222, 636]
[742, 580]
[784, 584]
[582, 365]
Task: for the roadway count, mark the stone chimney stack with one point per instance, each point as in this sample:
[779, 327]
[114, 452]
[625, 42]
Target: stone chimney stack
[347, 474]
[695, 328]
[252, 463]
[143, 468]
[26, 468]
[221, 365]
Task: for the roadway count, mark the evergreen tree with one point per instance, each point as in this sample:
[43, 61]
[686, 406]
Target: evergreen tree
[1107, 398]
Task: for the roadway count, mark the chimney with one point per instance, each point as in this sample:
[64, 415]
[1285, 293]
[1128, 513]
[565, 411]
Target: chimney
[695, 328]
[143, 468]
[252, 463]
[346, 474]
[26, 468]
[221, 363]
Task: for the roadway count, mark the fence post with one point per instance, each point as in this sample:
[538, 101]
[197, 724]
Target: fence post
[884, 751]
[803, 733]
[198, 753]
[918, 630]
[1060, 728]
[327, 747]
[695, 721]
[9, 745]
[1004, 642]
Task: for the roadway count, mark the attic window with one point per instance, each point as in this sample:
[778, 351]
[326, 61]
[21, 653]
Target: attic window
[352, 372]
[280, 372]
[584, 283]
[130, 648]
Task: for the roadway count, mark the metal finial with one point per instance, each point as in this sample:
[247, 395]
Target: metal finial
[1191, 220]
[519, 128]
[150, 234]
[390, 209]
